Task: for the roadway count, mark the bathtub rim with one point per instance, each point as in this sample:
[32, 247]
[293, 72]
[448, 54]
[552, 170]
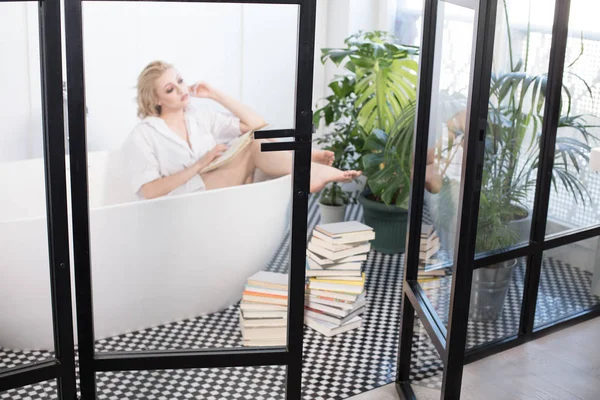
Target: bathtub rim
[270, 181]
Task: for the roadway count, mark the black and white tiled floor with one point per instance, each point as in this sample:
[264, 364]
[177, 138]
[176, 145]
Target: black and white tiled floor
[564, 291]
[334, 368]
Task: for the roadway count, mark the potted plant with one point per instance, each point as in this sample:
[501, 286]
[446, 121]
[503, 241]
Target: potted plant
[343, 139]
[511, 159]
[376, 96]
[333, 201]
[387, 163]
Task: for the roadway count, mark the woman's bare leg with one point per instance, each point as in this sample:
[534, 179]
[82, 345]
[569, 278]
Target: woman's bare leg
[279, 163]
[238, 171]
[241, 169]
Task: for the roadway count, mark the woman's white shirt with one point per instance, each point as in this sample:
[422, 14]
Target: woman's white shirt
[154, 151]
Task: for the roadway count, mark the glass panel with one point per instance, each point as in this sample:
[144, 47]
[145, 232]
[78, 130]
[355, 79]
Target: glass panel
[427, 371]
[496, 299]
[174, 247]
[408, 21]
[515, 116]
[365, 357]
[451, 86]
[570, 281]
[210, 383]
[574, 197]
[37, 391]
[26, 333]
[438, 289]
[426, 366]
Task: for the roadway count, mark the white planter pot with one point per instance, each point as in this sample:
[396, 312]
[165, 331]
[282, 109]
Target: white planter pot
[331, 214]
[523, 226]
[447, 230]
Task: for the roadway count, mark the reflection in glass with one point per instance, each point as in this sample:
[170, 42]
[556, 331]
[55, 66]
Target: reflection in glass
[495, 303]
[26, 332]
[448, 109]
[450, 91]
[408, 21]
[575, 204]
[570, 281]
[426, 367]
[515, 116]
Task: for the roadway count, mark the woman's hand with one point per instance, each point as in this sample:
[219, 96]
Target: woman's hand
[248, 118]
[212, 155]
[162, 186]
[202, 90]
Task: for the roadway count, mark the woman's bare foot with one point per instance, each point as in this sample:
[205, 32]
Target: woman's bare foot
[322, 175]
[324, 157]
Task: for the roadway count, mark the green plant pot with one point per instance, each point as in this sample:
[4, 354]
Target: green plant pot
[389, 223]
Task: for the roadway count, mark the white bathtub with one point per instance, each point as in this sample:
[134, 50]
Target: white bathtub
[153, 261]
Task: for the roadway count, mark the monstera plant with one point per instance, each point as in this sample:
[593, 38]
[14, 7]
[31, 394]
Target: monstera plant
[372, 100]
[387, 160]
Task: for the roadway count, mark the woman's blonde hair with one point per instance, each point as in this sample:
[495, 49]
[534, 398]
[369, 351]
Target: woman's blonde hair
[147, 98]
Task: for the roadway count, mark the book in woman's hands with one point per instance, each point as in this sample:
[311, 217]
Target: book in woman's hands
[234, 148]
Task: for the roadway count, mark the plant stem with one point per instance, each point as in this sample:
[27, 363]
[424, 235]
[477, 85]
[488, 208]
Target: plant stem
[510, 51]
[380, 95]
[528, 36]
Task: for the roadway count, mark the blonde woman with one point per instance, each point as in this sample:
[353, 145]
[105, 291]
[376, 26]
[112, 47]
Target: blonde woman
[174, 141]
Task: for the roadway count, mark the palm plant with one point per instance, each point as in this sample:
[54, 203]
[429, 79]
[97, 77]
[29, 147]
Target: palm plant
[512, 149]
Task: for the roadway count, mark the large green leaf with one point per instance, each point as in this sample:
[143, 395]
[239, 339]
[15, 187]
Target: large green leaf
[335, 55]
[387, 160]
[386, 76]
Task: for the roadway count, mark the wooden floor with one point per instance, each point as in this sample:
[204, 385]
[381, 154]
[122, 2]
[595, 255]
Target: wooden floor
[562, 366]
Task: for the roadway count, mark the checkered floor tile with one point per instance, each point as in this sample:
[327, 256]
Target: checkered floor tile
[334, 368]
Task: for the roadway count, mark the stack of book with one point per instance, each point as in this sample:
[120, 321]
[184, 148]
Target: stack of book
[263, 310]
[335, 294]
[429, 248]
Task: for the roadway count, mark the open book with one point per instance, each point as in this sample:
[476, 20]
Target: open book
[235, 147]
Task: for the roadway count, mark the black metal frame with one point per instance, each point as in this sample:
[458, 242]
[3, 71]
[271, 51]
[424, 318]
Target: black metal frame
[91, 362]
[451, 344]
[62, 367]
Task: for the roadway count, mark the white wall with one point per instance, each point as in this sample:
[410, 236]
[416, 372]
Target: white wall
[249, 51]
[269, 48]
[19, 112]
[338, 19]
